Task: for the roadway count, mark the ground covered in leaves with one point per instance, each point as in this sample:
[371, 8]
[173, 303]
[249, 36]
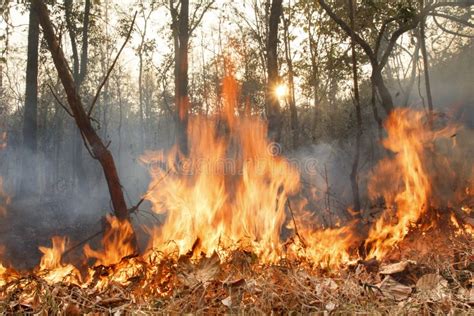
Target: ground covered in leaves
[439, 282]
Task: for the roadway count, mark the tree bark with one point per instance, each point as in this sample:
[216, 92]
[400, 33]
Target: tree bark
[180, 25]
[355, 163]
[30, 118]
[426, 72]
[384, 93]
[98, 149]
[272, 104]
[291, 85]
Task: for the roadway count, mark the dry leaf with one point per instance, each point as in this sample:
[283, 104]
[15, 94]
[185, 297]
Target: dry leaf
[227, 301]
[325, 284]
[330, 306]
[433, 286]
[396, 267]
[394, 289]
[234, 284]
[329, 284]
[206, 270]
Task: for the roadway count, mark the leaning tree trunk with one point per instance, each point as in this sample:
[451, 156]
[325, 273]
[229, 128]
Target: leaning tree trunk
[272, 104]
[98, 149]
[30, 120]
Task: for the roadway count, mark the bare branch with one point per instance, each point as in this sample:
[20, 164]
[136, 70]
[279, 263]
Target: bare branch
[111, 67]
[452, 18]
[444, 29]
[194, 22]
[343, 25]
[59, 101]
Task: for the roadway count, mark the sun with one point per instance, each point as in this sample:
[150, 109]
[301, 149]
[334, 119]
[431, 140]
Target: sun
[281, 91]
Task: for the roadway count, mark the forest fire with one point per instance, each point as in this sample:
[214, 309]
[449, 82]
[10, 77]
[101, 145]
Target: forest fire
[284, 164]
[237, 201]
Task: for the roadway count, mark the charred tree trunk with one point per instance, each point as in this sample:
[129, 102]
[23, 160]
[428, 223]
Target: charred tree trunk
[30, 118]
[355, 163]
[180, 28]
[98, 149]
[291, 85]
[272, 104]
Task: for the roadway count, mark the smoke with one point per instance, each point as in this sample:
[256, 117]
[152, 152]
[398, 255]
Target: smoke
[49, 200]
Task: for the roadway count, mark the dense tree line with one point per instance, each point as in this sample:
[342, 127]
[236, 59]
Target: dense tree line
[126, 83]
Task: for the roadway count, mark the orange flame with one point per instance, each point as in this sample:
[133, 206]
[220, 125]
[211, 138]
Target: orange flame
[403, 180]
[231, 189]
[51, 267]
[117, 243]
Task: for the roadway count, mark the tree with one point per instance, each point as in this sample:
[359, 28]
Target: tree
[291, 81]
[378, 54]
[143, 48]
[273, 79]
[355, 163]
[82, 119]
[424, 53]
[182, 28]
[30, 118]
[79, 74]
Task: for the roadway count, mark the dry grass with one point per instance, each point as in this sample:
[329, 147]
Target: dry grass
[241, 285]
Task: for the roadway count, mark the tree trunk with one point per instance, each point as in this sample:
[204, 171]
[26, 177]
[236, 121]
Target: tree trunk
[291, 86]
[181, 35]
[79, 74]
[377, 65]
[355, 163]
[413, 74]
[98, 149]
[30, 119]
[314, 76]
[272, 104]
[384, 93]
[426, 72]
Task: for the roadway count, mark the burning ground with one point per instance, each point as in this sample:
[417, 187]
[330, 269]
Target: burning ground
[236, 233]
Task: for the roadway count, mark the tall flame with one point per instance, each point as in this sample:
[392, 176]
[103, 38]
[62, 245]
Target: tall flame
[403, 180]
[230, 190]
